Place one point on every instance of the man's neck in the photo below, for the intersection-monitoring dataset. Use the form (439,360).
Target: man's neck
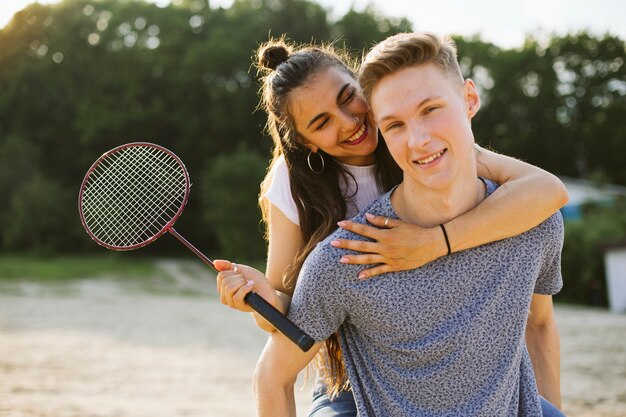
(429,207)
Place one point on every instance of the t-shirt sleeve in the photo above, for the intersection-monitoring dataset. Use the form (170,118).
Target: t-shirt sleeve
(279,191)
(320,301)
(550,280)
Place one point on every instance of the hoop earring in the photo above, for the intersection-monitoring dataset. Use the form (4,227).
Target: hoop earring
(308,160)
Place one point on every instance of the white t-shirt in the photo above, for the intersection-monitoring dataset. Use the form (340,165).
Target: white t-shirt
(279,192)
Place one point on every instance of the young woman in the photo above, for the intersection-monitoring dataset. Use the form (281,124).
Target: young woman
(328,164)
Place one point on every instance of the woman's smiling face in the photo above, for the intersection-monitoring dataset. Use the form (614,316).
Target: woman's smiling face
(331,114)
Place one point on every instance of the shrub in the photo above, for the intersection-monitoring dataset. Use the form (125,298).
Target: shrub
(583,253)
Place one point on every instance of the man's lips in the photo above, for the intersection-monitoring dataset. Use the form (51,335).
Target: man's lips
(431,158)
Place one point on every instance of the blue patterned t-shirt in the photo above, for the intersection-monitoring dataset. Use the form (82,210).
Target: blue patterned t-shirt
(446,339)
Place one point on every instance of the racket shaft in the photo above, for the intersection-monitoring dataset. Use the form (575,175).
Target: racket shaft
(191,247)
(282,323)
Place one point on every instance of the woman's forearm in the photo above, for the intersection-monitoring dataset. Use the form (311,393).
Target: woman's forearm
(282,305)
(527,196)
(274,397)
(516,206)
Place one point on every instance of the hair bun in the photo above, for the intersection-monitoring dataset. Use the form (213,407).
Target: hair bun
(273,55)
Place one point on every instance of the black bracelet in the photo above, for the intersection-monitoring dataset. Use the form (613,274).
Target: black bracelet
(445,235)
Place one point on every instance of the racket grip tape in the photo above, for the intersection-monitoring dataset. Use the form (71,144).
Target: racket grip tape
(282,323)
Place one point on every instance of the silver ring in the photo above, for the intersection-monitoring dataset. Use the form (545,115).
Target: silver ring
(386,221)
(235,268)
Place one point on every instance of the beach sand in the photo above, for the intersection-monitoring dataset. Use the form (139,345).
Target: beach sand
(114,348)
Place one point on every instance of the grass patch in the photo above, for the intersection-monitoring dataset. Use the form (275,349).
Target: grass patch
(63,268)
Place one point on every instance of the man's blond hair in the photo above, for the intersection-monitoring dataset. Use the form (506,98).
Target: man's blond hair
(406,50)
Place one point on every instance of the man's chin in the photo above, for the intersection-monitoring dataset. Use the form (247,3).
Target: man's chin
(439,181)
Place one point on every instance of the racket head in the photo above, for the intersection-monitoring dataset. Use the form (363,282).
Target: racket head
(133,194)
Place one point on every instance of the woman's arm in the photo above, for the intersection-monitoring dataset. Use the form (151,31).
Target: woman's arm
(284,243)
(528,195)
(276,373)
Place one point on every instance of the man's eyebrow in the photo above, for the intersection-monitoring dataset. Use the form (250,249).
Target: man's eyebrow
(420,104)
(339,95)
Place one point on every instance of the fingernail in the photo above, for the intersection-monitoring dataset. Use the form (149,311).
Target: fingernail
(341,224)
(369,215)
(344,260)
(362,275)
(334,243)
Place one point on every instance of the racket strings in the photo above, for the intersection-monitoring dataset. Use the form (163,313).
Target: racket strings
(146,213)
(105,212)
(146,219)
(133,194)
(134,188)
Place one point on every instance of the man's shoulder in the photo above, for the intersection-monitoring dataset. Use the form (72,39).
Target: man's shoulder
(551,229)
(324,258)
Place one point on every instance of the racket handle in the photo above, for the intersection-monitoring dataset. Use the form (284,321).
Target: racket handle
(282,323)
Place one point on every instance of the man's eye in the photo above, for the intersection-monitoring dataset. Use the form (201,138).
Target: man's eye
(392,126)
(430,109)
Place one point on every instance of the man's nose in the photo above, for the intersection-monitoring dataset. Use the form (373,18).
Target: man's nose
(418,135)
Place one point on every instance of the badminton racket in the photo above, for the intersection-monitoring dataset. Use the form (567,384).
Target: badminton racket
(133,194)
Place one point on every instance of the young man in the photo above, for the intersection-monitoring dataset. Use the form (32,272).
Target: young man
(446,339)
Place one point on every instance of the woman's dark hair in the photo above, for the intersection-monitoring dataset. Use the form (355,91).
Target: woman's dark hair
(318,197)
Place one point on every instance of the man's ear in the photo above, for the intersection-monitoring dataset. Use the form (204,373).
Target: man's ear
(472,98)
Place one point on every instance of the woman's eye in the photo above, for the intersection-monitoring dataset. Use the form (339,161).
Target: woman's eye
(349,97)
(430,109)
(322,125)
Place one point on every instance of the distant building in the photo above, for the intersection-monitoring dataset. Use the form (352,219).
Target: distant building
(615,267)
(583,191)
(580,193)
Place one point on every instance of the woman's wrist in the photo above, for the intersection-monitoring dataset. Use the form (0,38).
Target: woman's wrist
(436,244)
(281,304)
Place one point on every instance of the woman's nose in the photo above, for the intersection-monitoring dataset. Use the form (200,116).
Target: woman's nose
(351,121)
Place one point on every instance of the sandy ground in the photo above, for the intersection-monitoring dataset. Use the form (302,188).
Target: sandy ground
(106,347)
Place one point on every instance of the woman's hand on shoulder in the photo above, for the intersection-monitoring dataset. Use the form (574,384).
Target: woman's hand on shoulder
(235,281)
(397,245)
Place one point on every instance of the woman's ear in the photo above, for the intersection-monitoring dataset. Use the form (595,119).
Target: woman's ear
(309,145)
(472,98)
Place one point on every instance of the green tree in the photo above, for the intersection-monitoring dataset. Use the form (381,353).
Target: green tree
(80,77)
(230,188)
(359,31)
(38,220)
(592,101)
(554,103)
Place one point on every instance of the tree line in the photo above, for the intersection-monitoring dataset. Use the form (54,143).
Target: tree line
(80,77)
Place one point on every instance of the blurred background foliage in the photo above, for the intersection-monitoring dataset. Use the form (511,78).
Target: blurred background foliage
(80,77)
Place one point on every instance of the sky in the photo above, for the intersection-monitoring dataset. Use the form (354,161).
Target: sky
(505,23)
